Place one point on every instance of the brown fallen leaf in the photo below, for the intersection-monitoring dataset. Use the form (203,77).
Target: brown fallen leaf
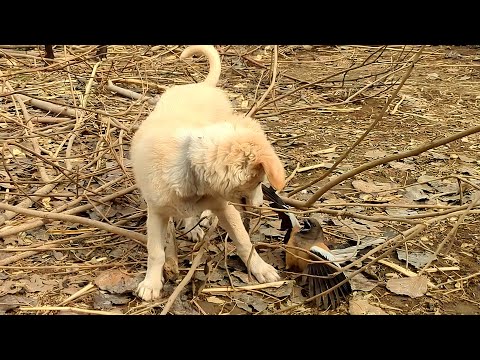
(416,193)
(37,284)
(215,300)
(375,154)
(216,275)
(10,302)
(401,165)
(114,281)
(243,276)
(271,232)
(466,159)
(324,151)
(9,287)
(359,306)
(361,283)
(103,301)
(370,187)
(397,212)
(247,302)
(282,291)
(416,258)
(414,287)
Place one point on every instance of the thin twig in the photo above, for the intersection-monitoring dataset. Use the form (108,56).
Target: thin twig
(254,109)
(195,263)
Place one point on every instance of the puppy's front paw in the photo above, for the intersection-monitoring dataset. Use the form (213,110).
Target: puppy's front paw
(264,272)
(149,290)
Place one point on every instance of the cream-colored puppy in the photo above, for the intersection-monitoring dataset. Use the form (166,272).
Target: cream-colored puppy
(192,154)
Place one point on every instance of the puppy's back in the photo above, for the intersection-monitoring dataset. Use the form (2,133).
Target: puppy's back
(193,103)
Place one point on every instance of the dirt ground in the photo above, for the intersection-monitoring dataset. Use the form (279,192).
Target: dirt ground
(64,267)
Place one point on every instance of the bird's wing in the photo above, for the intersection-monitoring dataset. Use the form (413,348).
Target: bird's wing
(323,280)
(319,251)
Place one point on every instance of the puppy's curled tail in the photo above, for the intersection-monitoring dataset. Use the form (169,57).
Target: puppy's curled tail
(213,58)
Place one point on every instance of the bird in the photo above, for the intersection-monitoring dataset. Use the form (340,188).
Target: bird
(309,236)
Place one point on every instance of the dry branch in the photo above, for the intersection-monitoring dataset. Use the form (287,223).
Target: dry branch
(48,106)
(275,284)
(66,308)
(39,222)
(79,220)
(130,94)
(384,160)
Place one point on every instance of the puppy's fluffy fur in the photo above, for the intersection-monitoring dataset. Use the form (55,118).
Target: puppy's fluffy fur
(192,154)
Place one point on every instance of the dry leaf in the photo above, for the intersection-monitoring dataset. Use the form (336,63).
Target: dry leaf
(361,283)
(412,286)
(243,276)
(398,212)
(466,159)
(416,258)
(215,300)
(9,302)
(106,301)
(247,302)
(37,284)
(216,275)
(38,234)
(401,165)
(9,287)
(370,187)
(358,306)
(282,291)
(416,193)
(272,232)
(46,203)
(114,281)
(324,151)
(375,154)
(439,156)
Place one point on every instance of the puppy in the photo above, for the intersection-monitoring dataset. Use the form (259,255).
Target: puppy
(192,154)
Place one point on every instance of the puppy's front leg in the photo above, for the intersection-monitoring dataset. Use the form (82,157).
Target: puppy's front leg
(229,219)
(157,225)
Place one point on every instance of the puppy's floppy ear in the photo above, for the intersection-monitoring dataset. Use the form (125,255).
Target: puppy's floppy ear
(273,169)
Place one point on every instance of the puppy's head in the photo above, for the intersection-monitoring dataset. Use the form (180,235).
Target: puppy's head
(248,159)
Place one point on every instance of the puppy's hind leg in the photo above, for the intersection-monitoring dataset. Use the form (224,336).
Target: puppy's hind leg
(157,226)
(230,220)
